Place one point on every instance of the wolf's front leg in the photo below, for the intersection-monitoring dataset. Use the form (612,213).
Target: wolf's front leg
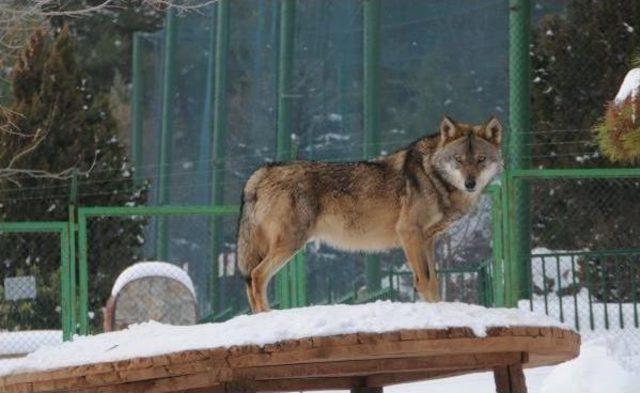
(416,252)
(429,244)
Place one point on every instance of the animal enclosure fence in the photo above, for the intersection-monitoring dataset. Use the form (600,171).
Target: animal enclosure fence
(37,285)
(217,93)
(584,252)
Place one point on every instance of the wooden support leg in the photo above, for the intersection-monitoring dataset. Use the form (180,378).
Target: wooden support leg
(367,390)
(510,379)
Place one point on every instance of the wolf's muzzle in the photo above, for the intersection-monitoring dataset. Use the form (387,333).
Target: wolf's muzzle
(470,184)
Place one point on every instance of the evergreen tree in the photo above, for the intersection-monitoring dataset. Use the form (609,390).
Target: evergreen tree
(66,127)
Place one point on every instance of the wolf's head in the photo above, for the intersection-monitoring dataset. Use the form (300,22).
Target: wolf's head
(468,156)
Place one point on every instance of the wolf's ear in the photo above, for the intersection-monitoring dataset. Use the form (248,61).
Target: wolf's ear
(493,131)
(448,129)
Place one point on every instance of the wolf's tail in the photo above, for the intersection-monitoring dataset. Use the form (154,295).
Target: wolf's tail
(248,253)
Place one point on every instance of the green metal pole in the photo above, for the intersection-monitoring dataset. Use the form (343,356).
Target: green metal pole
(497,246)
(166,136)
(283,125)
(219,138)
(371,111)
(66,279)
(137,96)
(83,272)
(517,191)
(71,225)
(71,245)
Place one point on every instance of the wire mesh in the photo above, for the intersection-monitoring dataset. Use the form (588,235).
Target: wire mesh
(30,292)
(117,243)
(585,253)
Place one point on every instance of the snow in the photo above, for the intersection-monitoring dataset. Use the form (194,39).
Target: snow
(153,338)
(594,371)
(629,87)
(152,269)
(554,267)
(20,343)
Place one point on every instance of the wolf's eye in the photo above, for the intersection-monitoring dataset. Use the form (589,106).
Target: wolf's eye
(458,159)
(481,158)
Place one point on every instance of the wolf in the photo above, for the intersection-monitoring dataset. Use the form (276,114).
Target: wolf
(402,200)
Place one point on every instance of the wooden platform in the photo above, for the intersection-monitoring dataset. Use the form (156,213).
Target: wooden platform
(365,362)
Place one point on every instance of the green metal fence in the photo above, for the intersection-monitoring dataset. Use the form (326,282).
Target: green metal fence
(99,264)
(584,245)
(37,282)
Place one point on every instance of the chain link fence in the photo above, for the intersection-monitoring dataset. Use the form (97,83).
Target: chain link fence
(584,263)
(31,307)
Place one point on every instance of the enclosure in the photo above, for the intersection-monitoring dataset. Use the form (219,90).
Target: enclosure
(218,92)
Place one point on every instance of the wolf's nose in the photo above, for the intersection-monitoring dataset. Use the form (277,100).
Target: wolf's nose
(470,184)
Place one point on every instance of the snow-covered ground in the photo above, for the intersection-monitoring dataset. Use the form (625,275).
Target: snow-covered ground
(152,338)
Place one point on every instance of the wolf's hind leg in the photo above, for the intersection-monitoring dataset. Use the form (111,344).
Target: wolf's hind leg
(262,274)
(415,250)
(250,298)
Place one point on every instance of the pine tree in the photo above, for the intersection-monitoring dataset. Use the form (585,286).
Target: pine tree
(69,128)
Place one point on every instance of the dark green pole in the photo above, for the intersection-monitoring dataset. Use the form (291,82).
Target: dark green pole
(219,138)
(166,136)
(285,78)
(284,279)
(137,97)
(517,153)
(371,110)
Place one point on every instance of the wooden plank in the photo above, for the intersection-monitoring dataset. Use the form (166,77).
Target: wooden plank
(378,366)
(406,348)
(296,384)
(413,376)
(285,346)
(381,358)
(161,385)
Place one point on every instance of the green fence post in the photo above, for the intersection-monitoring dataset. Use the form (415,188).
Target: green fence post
(166,136)
(66,280)
(83,275)
(283,136)
(71,227)
(219,137)
(497,268)
(371,111)
(137,95)
(71,246)
(517,191)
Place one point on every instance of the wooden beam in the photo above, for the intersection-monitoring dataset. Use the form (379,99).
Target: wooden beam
(378,366)
(510,379)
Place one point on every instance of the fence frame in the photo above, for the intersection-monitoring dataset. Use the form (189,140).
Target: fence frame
(67,265)
(85,213)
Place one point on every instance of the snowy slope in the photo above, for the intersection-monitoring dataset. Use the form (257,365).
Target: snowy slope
(152,269)
(153,338)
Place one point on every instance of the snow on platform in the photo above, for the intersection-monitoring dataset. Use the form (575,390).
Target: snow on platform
(152,338)
(152,269)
